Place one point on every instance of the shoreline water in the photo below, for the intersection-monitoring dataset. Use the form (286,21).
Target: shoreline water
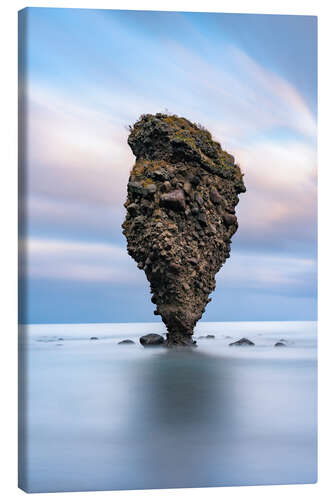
(105,416)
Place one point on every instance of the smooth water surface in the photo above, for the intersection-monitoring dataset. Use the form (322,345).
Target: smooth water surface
(103,416)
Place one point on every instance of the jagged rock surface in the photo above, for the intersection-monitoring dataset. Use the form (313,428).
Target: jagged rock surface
(182,194)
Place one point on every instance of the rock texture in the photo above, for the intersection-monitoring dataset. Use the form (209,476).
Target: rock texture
(182,194)
(151,340)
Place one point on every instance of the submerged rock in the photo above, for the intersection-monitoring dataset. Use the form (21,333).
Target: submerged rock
(243,341)
(182,194)
(126,341)
(280,344)
(151,339)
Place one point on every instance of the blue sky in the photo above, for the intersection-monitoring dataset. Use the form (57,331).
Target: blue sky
(250,79)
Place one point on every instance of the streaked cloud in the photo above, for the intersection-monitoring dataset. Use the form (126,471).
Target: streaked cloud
(78,160)
(279,100)
(76,219)
(68,261)
(269,273)
(239,98)
(79,261)
(75,153)
(280,203)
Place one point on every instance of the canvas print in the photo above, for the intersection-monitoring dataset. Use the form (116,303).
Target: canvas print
(167,249)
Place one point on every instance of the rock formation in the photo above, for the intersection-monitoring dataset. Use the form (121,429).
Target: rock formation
(151,340)
(243,341)
(182,194)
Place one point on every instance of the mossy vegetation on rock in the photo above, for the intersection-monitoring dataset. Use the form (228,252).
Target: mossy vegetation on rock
(175,139)
(182,194)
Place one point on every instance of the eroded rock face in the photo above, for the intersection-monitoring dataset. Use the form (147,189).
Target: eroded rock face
(182,194)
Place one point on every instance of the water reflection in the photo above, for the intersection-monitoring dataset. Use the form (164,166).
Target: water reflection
(182,419)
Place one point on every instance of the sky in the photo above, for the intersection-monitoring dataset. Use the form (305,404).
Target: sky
(85,75)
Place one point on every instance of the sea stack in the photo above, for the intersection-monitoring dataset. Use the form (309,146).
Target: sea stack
(182,194)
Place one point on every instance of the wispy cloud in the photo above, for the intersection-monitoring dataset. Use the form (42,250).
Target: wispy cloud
(269,273)
(280,204)
(76,219)
(80,153)
(239,98)
(79,261)
(69,261)
(275,97)
(75,152)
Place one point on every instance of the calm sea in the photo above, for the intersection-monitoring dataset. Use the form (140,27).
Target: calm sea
(101,416)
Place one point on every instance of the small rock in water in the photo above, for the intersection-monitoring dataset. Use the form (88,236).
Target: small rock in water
(126,341)
(60,338)
(280,344)
(151,340)
(93,338)
(207,337)
(242,341)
